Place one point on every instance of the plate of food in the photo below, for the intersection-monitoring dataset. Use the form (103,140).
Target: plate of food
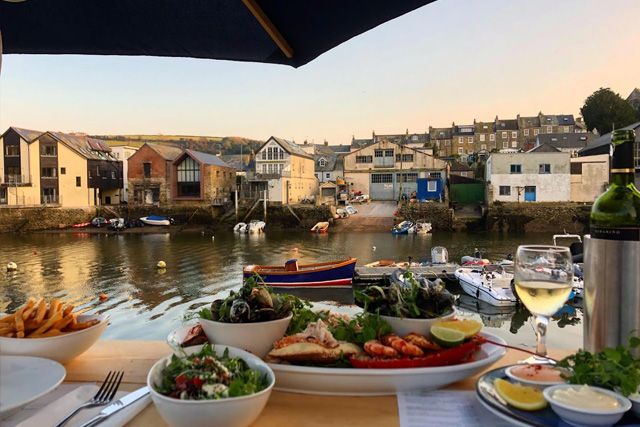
(51,330)
(25,379)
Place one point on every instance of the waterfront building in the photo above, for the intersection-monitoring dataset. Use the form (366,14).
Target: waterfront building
(507,134)
(463,138)
(529,128)
(566,123)
(14,164)
(484,137)
(385,168)
(123,152)
(528,177)
(567,142)
(285,170)
(149,173)
(441,138)
(589,177)
(328,164)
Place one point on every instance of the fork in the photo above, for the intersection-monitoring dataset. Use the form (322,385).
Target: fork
(102,397)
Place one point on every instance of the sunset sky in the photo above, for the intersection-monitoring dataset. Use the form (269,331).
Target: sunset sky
(453,60)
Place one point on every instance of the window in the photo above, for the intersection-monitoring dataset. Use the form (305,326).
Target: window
(404,158)
(322,162)
(388,153)
(492,137)
(364,159)
(328,175)
(514,134)
(12,150)
(481,138)
(379,153)
(460,139)
(117,155)
(432,186)
(526,132)
(470,139)
(381,178)
(483,147)
(435,175)
(146,169)
(49,173)
(63,171)
(113,174)
(78,181)
(407,177)
(544,168)
(505,190)
(447,142)
(514,144)
(14,172)
(549,129)
(217,174)
(414,138)
(504,135)
(505,144)
(566,129)
(536,131)
(463,174)
(516,168)
(48,150)
(189,178)
(460,150)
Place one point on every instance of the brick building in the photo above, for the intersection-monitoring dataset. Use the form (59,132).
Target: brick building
(484,137)
(462,138)
(441,138)
(529,130)
(506,133)
(149,172)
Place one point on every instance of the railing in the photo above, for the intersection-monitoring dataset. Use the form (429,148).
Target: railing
(16,179)
(50,200)
(258,176)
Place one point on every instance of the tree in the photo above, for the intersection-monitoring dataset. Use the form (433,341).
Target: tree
(606,110)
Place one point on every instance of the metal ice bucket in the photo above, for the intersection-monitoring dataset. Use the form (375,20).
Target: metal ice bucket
(611,292)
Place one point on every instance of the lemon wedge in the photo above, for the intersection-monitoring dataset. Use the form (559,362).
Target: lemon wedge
(519,396)
(468,327)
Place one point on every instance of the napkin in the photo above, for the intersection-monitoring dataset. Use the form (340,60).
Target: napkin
(58,409)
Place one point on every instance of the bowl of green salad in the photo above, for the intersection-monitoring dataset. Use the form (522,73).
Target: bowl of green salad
(211,385)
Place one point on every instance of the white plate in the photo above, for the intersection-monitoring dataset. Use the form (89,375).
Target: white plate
(24,379)
(178,335)
(380,382)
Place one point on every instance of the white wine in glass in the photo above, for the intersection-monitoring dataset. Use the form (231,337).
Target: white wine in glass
(543,280)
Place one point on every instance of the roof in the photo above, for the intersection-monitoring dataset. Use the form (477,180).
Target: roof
(340,148)
(288,146)
(602,145)
(543,148)
(26,134)
(165,151)
(459,167)
(331,161)
(440,133)
(206,158)
(565,120)
(566,140)
(508,124)
(548,120)
(480,127)
(463,130)
(357,144)
(89,148)
(529,122)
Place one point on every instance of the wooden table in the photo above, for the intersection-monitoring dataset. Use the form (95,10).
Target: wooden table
(135,358)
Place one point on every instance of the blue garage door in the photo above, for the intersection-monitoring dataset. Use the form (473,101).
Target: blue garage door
(530,193)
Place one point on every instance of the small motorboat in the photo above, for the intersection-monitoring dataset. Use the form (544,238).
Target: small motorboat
(333,274)
(351,210)
(488,283)
(81,225)
(156,220)
(402,228)
(470,260)
(256,226)
(240,227)
(421,227)
(99,222)
(341,213)
(116,224)
(320,227)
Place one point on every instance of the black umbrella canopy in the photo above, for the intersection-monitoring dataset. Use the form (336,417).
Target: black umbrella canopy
(291,32)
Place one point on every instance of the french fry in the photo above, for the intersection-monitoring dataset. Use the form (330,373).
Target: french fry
(53,308)
(67,310)
(30,310)
(20,334)
(42,310)
(8,335)
(8,319)
(47,324)
(49,333)
(19,320)
(62,323)
(10,327)
(83,325)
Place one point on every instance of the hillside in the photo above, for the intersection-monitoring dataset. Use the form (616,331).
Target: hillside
(206,144)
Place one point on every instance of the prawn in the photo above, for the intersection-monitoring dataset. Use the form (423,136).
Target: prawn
(421,341)
(376,348)
(401,345)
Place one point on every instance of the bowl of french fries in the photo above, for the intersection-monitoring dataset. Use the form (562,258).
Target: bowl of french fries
(49,330)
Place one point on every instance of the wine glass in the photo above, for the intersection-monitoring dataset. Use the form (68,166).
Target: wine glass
(543,280)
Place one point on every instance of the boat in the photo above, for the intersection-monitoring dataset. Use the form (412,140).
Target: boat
(351,210)
(470,260)
(333,274)
(391,263)
(320,227)
(117,224)
(488,283)
(99,222)
(402,228)
(240,227)
(421,227)
(156,220)
(81,225)
(341,213)
(256,226)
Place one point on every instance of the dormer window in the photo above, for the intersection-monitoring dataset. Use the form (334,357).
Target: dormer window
(322,162)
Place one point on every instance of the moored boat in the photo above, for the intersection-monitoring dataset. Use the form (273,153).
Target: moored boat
(488,283)
(333,274)
(320,227)
(156,220)
(256,226)
(421,226)
(402,228)
(240,227)
(81,225)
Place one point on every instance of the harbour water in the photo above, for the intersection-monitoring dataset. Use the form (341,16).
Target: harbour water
(146,304)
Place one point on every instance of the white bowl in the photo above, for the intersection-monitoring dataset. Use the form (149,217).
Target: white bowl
(635,404)
(586,417)
(402,326)
(61,348)
(257,337)
(540,385)
(229,412)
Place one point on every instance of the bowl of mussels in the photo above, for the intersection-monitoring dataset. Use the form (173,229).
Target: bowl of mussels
(251,319)
(409,303)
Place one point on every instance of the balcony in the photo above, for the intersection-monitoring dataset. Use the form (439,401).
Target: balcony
(15,180)
(253,176)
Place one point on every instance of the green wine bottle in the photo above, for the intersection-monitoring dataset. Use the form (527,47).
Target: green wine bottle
(615,215)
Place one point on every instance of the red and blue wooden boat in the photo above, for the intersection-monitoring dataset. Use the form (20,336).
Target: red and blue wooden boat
(333,274)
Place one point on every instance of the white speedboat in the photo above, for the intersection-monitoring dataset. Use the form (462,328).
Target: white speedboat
(256,227)
(488,283)
(421,227)
(156,220)
(240,227)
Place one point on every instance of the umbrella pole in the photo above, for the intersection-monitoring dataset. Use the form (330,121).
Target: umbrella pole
(268,26)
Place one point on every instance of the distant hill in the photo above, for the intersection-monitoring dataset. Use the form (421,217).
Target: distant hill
(205,144)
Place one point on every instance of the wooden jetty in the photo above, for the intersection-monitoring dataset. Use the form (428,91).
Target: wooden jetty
(379,274)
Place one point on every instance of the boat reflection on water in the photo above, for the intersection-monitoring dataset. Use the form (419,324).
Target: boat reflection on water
(340,296)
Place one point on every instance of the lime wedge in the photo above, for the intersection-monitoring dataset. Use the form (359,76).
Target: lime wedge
(447,337)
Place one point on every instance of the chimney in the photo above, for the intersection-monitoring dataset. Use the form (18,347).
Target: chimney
(518,117)
(474,121)
(496,117)
(306,142)
(373,135)
(353,138)
(326,143)
(430,129)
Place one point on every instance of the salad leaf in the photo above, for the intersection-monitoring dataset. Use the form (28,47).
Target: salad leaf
(360,329)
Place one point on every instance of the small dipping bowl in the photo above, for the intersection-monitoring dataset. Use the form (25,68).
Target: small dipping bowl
(583,416)
(635,403)
(402,326)
(536,376)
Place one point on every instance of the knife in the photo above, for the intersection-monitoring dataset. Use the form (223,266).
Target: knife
(127,400)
